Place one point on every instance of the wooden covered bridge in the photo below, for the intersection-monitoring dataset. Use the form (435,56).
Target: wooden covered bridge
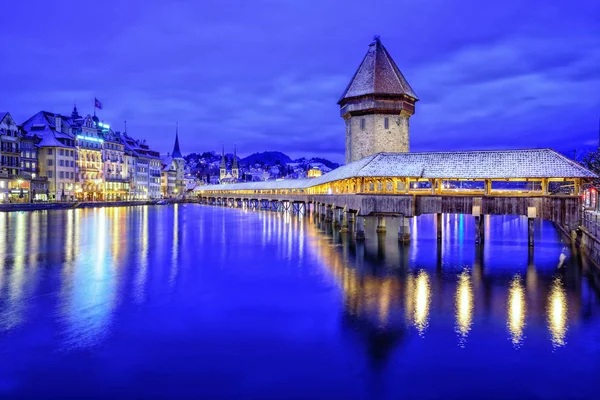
(537,183)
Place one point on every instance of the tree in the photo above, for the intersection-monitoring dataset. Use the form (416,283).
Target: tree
(592,162)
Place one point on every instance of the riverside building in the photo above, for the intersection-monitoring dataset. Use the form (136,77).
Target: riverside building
(68,158)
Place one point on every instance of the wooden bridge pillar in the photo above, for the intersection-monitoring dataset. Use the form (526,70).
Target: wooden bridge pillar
(328,214)
(439,226)
(530,230)
(404,230)
(360,227)
(344,227)
(381,224)
(531,215)
(479,229)
(351,221)
(336,216)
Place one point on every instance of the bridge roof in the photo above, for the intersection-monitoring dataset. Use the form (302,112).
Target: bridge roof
(486,164)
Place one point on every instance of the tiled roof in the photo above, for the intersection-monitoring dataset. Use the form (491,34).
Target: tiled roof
(487,164)
(48,138)
(378,74)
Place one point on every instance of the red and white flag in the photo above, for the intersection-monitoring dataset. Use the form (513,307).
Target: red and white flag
(97,104)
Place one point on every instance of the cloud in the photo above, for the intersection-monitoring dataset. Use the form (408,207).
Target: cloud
(268,74)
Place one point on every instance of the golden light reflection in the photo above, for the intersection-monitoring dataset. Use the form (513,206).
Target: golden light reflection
(557,313)
(384,301)
(516,310)
(464,306)
(422,301)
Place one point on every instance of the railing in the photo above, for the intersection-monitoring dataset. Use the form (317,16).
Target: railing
(590,220)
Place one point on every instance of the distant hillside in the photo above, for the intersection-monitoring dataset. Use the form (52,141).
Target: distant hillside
(330,164)
(267,157)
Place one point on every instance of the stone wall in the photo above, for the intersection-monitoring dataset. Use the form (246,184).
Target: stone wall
(375,137)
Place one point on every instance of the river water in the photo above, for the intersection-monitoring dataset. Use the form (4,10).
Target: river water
(191,301)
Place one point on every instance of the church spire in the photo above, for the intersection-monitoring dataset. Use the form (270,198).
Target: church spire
(235,162)
(176,151)
(223,161)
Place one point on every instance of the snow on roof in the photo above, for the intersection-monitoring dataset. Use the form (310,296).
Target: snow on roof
(486,164)
(49,139)
(378,74)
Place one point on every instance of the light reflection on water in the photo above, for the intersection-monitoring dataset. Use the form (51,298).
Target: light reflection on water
(557,313)
(516,310)
(92,280)
(464,306)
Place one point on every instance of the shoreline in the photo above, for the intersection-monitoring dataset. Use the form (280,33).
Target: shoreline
(85,204)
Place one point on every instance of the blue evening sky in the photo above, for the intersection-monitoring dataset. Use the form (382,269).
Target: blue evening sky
(266,75)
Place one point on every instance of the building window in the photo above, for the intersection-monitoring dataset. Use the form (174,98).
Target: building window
(61,152)
(61,175)
(49,163)
(49,174)
(49,152)
(386,123)
(362,124)
(61,163)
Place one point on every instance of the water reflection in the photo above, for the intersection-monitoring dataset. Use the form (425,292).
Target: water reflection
(421,301)
(516,310)
(464,306)
(380,281)
(557,313)
(81,278)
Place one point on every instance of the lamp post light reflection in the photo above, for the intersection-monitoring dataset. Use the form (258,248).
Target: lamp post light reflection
(464,307)
(422,300)
(557,313)
(516,311)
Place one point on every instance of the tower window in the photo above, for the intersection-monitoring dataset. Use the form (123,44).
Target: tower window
(362,124)
(386,123)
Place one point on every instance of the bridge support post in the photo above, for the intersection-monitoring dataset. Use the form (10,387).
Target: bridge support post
(530,230)
(328,214)
(531,216)
(380,224)
(351,221)
(360,227)
(479,230)
(344,228)
(404,230)
(439,226)
(336,216)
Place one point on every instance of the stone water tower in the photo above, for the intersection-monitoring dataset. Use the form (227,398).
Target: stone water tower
(376,106)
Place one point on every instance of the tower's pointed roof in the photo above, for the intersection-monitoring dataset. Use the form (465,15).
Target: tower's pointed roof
(223,162)
(235,162)
(378,74)
(176,152)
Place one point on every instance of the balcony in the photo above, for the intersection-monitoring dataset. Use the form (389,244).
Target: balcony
(117,179)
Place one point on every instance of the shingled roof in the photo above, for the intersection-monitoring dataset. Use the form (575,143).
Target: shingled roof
(485,164)
(378,74)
